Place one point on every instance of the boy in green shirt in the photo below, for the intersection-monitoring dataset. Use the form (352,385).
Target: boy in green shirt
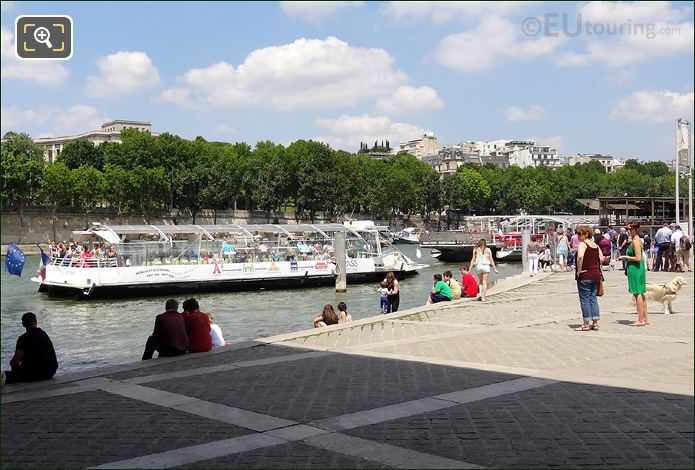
(441,292)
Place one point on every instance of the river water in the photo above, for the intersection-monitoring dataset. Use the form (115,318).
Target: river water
(97,333)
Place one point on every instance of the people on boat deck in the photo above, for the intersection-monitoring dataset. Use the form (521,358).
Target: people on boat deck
(441,292)
(169,337)
(34,357)
(469,286)
(215,333)
(344,316)
(327,317)
(197,327)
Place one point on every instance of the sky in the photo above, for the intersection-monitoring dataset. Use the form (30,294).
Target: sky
(586,77)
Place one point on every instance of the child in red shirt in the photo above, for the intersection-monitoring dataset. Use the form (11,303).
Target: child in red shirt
(469,286)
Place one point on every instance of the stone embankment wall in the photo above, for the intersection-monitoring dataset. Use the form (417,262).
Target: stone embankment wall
(35,226)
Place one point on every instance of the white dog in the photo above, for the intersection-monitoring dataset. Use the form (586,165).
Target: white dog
(664,293)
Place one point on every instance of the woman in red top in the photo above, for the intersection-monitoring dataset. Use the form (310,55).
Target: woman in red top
(588,276)
(197,327)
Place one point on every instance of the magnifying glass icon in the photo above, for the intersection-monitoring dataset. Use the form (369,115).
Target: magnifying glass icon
(43,36)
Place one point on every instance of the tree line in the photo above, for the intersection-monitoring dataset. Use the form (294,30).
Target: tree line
(145,174)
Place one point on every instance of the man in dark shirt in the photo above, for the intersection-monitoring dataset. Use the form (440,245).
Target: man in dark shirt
(34,357)
(169,337)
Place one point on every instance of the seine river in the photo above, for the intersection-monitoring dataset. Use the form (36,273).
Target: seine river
(96,333)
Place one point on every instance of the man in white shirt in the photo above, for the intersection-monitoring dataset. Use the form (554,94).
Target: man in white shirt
(682,256)
(663,241)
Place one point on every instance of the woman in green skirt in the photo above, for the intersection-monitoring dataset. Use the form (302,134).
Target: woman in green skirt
(637,275)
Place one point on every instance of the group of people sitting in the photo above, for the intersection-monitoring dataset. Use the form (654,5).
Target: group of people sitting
(329,317)
(176,333)
(446,288)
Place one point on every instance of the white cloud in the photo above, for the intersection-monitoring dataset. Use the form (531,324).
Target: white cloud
(177,96)
(315,12)
(307,73)
(635,12)
(123,73)
(441,12)
(654,106)
(533,113)
(51,122)
(493,41)
(222,129)
(45,73)
(621,77)
(409,99)
(555,141)
(346,132)
(623,33)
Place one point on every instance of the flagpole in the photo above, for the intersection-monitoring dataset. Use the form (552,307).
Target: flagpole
(678,174)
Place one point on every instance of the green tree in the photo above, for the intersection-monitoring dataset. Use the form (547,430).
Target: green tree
(118,190)
(89,188)
(56,189)
(81,152)
(20,144)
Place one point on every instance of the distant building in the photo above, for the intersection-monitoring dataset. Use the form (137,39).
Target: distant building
(609,162)
(377,151)
(524,153)
(109,132)
(424,146)
(451,157)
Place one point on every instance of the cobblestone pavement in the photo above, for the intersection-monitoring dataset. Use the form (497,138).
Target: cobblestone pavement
(507,383)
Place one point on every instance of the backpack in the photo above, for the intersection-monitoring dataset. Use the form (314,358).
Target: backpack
(685,243)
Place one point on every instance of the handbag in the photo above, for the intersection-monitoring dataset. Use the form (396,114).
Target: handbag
(601,290)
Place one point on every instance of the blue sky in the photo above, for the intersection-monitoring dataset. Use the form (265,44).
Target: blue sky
(343,72)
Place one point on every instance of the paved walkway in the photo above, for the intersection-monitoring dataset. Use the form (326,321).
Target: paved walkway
(462,385)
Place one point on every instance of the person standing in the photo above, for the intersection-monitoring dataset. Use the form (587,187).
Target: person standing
(533,251)
(34,357)
(680,241)
(394,292)
(647,246)
(637,275)
(197,327)
(663,242)
(623,243)
(574,243)
(483,261)
(588,277)
(169,337)
(562,250)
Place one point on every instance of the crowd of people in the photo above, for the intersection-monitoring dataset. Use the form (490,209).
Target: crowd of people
(668,249)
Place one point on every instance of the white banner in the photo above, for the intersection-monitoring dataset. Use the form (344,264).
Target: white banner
(683,144)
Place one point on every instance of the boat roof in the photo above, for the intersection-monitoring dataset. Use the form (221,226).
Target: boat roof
(113,233)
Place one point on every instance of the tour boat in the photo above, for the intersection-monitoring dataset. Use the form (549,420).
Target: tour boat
(159,259)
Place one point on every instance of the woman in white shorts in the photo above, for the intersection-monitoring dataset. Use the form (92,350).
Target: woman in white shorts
(482,261)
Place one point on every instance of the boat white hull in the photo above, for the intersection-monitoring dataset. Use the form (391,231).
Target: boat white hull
(94,282)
